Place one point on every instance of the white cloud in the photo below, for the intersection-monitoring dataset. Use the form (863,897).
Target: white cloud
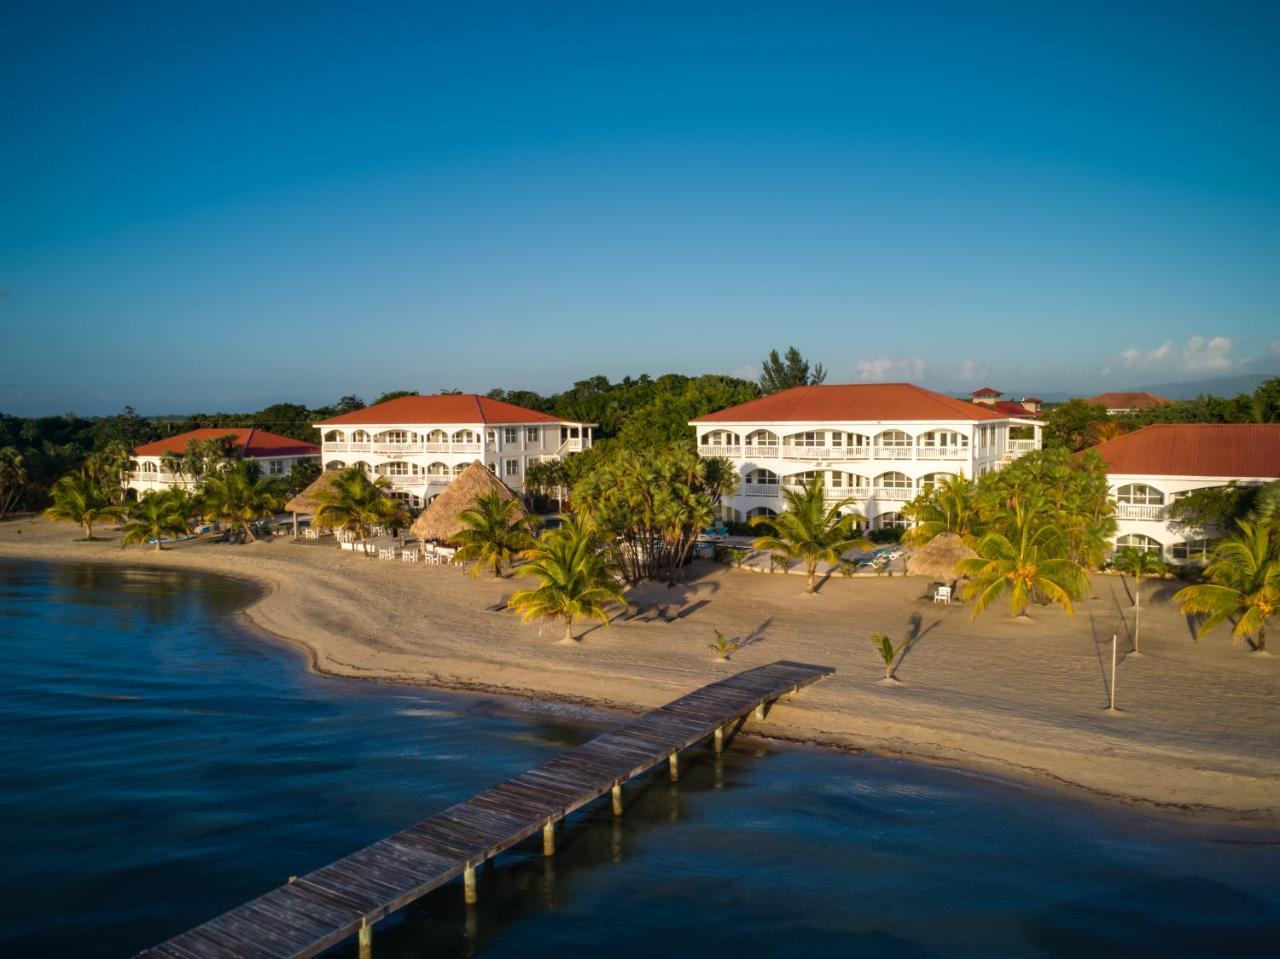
(748,372)
(971,371)
(886,368)
(1197,355)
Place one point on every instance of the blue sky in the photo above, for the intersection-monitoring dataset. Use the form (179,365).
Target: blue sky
(225,205)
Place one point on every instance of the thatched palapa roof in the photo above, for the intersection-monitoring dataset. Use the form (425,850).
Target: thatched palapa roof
(306,502)
(440,521)
(939,557)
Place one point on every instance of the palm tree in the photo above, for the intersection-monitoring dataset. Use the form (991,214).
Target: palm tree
(496,530)
(950,507)
(354,503)
(238,495)
(152,517)
(811,530)
(1244,585)
(78,499)
(1266,506)
(184,505)
(1031,561)
(1138,563)
(574,581)
(13,479)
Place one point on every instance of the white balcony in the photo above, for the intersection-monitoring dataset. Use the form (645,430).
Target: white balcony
(397,447)
(711,450)
(759,489)
(452,447)
(893,452)
(942,452)
(406,481)
(1152,511)
(1022,446)
(330,447)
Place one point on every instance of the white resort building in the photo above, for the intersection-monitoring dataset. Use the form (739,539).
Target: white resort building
(276,454)
(879,444)
(421,442)
(1151,468)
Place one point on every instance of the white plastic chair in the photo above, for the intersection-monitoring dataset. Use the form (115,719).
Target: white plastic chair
(942,594)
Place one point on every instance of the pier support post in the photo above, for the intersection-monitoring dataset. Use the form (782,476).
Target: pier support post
(365,939)
(673,766)
(617,799)
(719,739)
(469,885)
(549,839)
(762,710)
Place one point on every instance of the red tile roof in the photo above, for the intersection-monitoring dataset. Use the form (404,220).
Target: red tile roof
(252,442)
(446,408)
(986,391)
(1012,408)
(1128,401)
(853,403)
(1196,449)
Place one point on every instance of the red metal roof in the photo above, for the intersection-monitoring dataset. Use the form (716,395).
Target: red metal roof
(1012,408)
(446,408)
(853,403)
(986,391)
(253,443)
(1196,449)
(1128,401)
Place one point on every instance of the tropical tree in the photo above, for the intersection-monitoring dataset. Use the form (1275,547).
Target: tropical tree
(184,505)
(1266,507)
(495,530)
(1028,561)
(13,479)
(152,518)
(949,507)
(239,495)
(811,530)
(1244,585)
(355,503)
(890,655)
(1138,563)
(783,372)
(574,580)
(105,469)
(77,499)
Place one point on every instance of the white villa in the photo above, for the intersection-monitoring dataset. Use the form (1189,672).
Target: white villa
(1151,468)
(879,444)
(421,442)
(276,454)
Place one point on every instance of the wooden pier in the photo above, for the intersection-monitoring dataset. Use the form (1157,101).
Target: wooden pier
(314,912)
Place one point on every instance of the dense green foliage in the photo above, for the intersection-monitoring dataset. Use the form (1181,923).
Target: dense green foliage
(574,582)
(354,503)
(151,519)
(495,530)
(783,372)
(1243,585)
(77,499)
(239,495)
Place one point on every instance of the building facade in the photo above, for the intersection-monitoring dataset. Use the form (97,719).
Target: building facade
(1116,403)
(276,455)
(877,444)
(419,443)
(1152,468)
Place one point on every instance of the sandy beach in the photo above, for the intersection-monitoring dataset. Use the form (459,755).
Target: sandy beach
(1195,737)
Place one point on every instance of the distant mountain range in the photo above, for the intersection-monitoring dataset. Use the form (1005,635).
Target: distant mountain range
(1229,386)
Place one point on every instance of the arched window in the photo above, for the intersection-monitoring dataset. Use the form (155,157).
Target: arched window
(334,465)
(393,436)
(438,469)
(360,436)
(894,438)
(1139,494)
(761,438)
(894,481)
(150,467)
(466,436)
(1138,541)
(398,468)
(891,520)
(459,467)
(943,438)
(762,477)
(333,436)
(761,511)
(721,438)
(437,436)
(1192,551)
(930,480)
(729,514)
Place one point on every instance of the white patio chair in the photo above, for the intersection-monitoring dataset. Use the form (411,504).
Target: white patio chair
(942,594)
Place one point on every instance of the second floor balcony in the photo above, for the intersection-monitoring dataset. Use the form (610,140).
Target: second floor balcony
(1147,511)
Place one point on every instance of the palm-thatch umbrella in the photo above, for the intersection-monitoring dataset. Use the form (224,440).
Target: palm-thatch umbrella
(440,521)
(306,502)
(939,557)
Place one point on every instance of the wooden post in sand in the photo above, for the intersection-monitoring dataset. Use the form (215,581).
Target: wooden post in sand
(617,799)
(469,885)
(365,938)
(1112,707)
(719,737)
(549,838)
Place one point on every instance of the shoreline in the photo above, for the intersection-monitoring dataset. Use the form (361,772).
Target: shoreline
(310,598)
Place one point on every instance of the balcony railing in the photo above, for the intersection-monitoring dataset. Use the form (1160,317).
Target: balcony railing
(860,492)
(397,447)
(1154,511)
(759,489)
(156,477)
(452,447)
(1022,446)
(841,454)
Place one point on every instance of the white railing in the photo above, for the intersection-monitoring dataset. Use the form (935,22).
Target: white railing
(764,451)
(406,482)
(1141,511)
(759,489)
(1022,446)
(833,492)
(714,450)
(451,447)
(893,452)
(941,452)
(397,447)
(572,445)
(811,452)
(330,447)
(360,447)
(893,492)
(157,477)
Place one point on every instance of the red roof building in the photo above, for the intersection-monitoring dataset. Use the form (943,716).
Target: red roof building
(252,443)
(1222,450)
(1127,402)
(861,402)
(451,409)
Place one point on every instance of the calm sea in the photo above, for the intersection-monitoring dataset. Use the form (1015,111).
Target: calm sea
(158,765)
